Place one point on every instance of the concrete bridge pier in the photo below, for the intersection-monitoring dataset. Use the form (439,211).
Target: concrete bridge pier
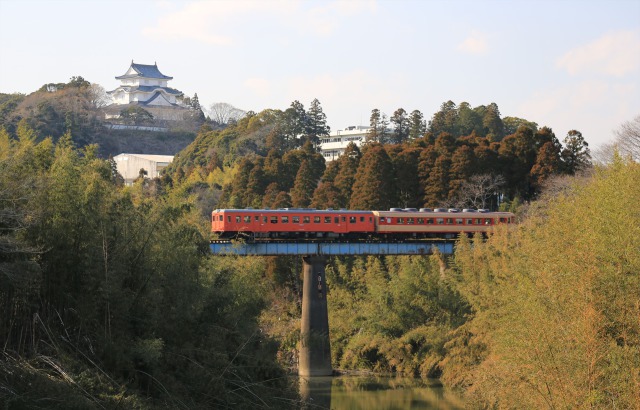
(315,348)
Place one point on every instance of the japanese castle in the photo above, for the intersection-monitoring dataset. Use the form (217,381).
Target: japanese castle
(145,86)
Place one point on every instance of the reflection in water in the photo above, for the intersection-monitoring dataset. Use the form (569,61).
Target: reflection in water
(374,392)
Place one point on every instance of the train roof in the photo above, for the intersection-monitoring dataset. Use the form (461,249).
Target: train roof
(451,213)
(300,210)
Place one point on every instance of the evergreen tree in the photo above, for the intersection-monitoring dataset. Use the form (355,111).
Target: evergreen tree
(576,154)
(196,113)
(548,163)
(518,154)
(405,166)
(373,187)
(445,120)
(492,123)
(400,126)
(417,125)
(462,166)
(437,186)
(373,135)
(468,120)
(348,164)
(316,126)
(293,125)
(304,186)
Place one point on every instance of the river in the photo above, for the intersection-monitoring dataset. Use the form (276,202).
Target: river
(377,392)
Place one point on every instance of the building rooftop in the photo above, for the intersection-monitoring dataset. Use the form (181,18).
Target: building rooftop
(144,70)
(148,157)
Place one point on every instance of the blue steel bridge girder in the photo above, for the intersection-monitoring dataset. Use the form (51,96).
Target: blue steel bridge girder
(331,248)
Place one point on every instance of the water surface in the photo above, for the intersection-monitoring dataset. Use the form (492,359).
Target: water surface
(377,392)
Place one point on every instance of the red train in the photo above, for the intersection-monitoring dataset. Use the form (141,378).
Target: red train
(312,224)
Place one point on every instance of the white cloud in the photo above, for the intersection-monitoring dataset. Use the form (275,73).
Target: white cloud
(218,22)
(209,22)
(475,43)
(616,54)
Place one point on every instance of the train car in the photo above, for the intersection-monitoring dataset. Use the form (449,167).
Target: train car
(436,223)
(291,223)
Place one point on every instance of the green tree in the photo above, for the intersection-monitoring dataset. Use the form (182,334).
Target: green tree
(136,115)
(344,180)
(316,125)
(511,124)
(305,184)
(417,125)
(445,120)
(468,120)
(373,187)
(493,123)
(575,154)
(379,127)
(400,124)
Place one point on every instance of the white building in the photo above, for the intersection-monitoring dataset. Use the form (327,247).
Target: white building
(145,86)
(129,165)
(334,145)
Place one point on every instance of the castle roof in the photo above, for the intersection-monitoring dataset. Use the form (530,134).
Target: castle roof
(143,70)
(147,89)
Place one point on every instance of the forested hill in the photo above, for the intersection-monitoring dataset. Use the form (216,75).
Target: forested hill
(76,107)
(462,157)
(111,298)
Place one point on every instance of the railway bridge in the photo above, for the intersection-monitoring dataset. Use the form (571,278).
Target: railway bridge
(315,348)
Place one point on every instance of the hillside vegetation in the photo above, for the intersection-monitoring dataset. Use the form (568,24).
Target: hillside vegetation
(76,107)
(111,297)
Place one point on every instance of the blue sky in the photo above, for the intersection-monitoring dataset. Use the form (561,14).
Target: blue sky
(563,64)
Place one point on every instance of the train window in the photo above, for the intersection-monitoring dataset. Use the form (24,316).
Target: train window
(306,219)
(400,221)
(316,219)
(487,221)
(343,218)
(336,220)
(264,219)
(295,219)
(285,220)
(459,221)
(247,219)
(381,219)
(327,219)
(228,219)
(449,221)
(503,220)
(362,219)
(469,221)
(410,221)
(388,220)
(220,218)
(352,219)
(430,221)
(420,221)
(478,221)
(256,218)
(274,219)
(440,221)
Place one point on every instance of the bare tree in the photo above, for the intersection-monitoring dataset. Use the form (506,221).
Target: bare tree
(224,113)
(626,143)
(98,97)
(478,189)
(628,138)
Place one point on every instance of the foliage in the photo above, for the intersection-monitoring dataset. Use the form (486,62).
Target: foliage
(136,115)
(110,297)
(555,325)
